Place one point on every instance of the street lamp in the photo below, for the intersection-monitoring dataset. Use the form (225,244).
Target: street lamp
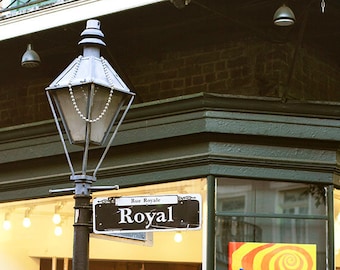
(91,101)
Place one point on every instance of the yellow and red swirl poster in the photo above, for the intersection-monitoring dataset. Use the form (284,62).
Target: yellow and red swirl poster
(271,256)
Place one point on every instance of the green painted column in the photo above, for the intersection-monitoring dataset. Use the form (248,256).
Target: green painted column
(330,224)
(211,222)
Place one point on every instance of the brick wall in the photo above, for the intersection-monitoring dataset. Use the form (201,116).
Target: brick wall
(316,77)
(241,67)
(23,102)
(245,67)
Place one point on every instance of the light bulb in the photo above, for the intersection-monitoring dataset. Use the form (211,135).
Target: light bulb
(338,218)
(178,237)
(56,218)
(58,231)
(7,225)
(26,222)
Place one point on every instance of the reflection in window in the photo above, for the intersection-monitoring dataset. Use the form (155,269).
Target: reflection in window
(294,202)
(234,229)
(268,212)
(235,204)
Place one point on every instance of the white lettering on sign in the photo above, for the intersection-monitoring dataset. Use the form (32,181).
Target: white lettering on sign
(146,200)
(126,216)
(147,213)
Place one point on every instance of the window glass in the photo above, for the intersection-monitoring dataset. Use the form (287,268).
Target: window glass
(280,214)
(248,196)
(40,240)
(337,227)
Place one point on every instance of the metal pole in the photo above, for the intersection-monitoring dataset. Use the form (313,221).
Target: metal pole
(82,208)
(81,227)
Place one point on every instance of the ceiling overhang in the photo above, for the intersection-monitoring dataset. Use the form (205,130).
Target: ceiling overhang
(64,14)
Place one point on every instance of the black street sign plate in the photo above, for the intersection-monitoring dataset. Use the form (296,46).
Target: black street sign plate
(147,213)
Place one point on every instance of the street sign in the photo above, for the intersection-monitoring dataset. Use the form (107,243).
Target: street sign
(136,238)
(147,213)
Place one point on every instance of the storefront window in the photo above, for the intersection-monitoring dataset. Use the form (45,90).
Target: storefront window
(39,247)
(255,217)
(337,227)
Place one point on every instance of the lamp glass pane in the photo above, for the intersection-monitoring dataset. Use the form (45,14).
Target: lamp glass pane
(91,105)
(101,128)
(74,125)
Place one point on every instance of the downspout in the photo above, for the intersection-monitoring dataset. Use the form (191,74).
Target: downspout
(295,54)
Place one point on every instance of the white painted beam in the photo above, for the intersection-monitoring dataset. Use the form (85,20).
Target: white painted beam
(64,14)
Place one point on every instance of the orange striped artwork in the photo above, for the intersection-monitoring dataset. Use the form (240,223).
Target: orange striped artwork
(271,256)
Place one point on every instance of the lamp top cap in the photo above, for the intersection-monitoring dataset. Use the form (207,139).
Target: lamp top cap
(92,34)
(93,24)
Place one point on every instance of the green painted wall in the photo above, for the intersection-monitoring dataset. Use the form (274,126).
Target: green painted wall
(184,138)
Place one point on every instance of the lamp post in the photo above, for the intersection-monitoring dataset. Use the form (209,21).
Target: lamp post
(91,101)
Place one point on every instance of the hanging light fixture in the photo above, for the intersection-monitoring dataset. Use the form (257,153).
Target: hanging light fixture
(30,59)
(7,223)
(27,221)
(284,16)
(56,217)
(180,3)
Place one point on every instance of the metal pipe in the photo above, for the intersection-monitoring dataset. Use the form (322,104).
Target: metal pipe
(296,52)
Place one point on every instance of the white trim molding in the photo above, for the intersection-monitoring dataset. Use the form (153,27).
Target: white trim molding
(64,14)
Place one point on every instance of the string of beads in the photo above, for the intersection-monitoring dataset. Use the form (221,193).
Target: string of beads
(73,99)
